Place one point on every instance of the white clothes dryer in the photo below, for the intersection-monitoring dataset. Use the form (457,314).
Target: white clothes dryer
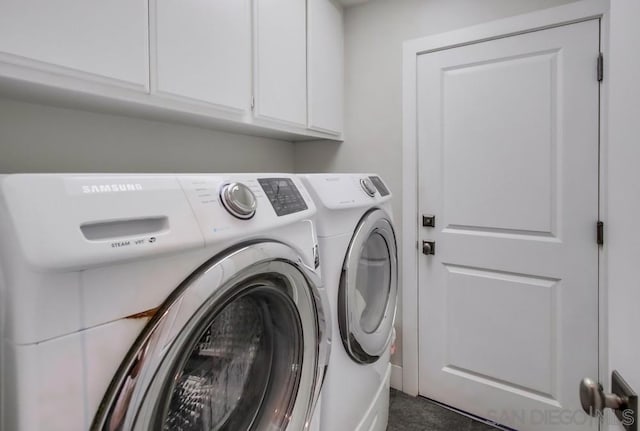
(359,269)
(160,302)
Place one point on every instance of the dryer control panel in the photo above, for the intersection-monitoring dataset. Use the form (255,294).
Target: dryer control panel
(343,191)
(379,185)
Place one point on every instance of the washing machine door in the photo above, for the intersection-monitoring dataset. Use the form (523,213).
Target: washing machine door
(241,345)
(368,288)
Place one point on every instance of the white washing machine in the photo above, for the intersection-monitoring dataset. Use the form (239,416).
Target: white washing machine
(359,269)
(160,302)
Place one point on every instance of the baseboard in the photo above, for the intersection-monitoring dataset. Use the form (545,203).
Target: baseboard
(396,377)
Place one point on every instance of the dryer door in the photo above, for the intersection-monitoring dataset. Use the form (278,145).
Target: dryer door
(368,288)
(241,345)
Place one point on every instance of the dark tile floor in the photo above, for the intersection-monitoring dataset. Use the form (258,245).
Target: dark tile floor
(408,413)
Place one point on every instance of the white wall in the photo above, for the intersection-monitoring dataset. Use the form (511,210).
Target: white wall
(374,33)
(38,138)
(622,240)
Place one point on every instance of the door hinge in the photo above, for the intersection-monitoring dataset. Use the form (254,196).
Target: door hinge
(253,103)
(600,232)
(600,67)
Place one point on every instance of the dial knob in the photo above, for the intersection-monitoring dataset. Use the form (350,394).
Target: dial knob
(368,186)
(239,200)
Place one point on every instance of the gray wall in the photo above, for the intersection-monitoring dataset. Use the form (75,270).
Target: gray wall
(38,138)
(374,33)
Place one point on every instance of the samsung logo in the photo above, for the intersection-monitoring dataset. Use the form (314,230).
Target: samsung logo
(110,188)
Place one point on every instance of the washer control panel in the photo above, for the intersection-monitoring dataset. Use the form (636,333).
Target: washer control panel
(283,195)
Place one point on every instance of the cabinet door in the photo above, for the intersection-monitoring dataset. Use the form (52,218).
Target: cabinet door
(202,51)
(326,65)
(104,38)
(281,61)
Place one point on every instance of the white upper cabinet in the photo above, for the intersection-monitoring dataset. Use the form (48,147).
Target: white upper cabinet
(281,61)
(83,38)
(263,67)
(201,50)
(325,65)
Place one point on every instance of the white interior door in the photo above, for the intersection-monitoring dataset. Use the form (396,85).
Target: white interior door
(508,156)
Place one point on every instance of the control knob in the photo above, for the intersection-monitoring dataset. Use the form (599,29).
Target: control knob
(368,186)
(239,200)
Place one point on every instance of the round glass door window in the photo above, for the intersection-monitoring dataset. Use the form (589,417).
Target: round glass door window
(373,283)
(242,345)
(241,372)
(368,289)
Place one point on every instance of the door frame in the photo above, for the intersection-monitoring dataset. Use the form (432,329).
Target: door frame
(548,18)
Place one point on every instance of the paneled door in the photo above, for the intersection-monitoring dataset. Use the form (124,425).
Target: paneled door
(508,165)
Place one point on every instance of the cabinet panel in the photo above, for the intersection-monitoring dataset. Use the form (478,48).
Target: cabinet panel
(281,63)
(104,38)
(326,65)
(203,50)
